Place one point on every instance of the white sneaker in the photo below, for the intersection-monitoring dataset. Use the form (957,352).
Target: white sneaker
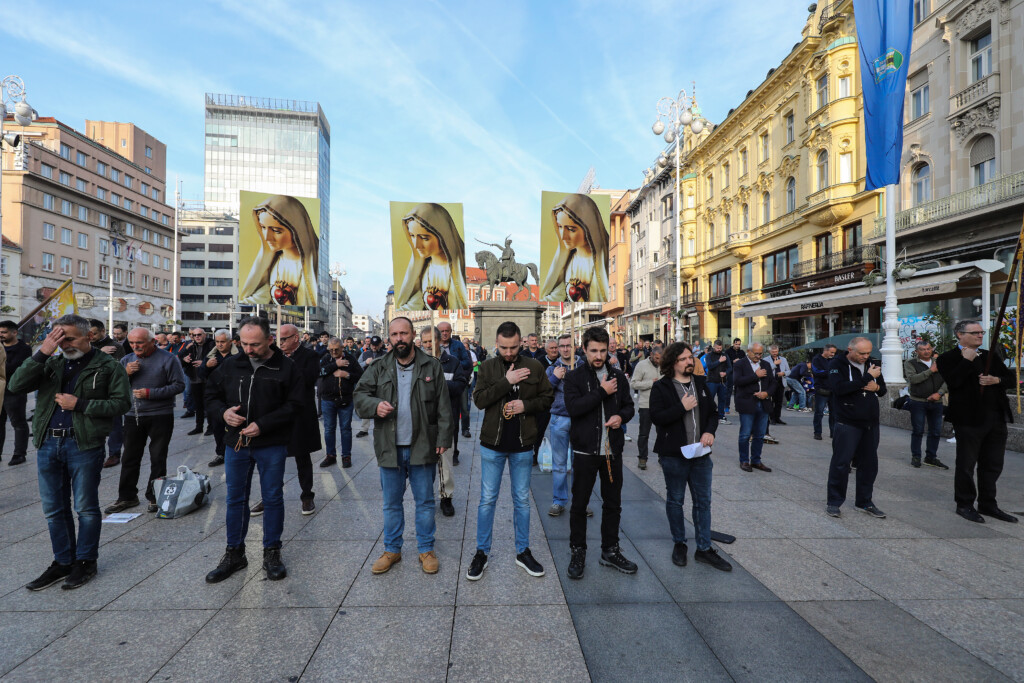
(951,439)
(628,437)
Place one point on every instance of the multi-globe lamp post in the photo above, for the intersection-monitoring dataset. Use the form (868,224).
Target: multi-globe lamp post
(12,100)
(337,272)
(675,117)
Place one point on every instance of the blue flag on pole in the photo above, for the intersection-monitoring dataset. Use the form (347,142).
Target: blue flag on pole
(884,29)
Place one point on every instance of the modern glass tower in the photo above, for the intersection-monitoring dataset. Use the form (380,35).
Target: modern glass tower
(264,144)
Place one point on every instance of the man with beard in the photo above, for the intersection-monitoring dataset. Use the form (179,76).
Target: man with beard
(512,390)
(79,392)
(457,378)
(597,397)
(17,352)
(405,394)
(259,395)
(223,350)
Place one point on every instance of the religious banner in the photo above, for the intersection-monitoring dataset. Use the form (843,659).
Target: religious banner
(278,249)
(574,247)
(58,302)
(428,255)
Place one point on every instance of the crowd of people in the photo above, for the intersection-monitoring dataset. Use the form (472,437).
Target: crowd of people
(103,399)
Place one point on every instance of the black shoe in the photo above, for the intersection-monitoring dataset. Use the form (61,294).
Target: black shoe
(712,558)
(613,558)
(526,561)
(936,463)
(360,435)
(447,509)
(760,466)
(346,461)
(329,461)
(590,512)
(577,562)
(970,514)
(256,510)
(455,458)
(188,415)
(308,507)
(642,463)
(216,462)
(817,437)
(113,460)
(477,566)
(197,430)
(17,460)
(745,466)
(915,461)
(54,573)
(273,565)
(82,572)
(871,510)
(679,554)
(998,514)
(467,434)
(208,432)
(152,507)
(121,506)
(233,560)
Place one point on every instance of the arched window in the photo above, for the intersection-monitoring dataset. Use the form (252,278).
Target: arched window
(728,226)
(822,164)
(791,195)
(746,217)
(922,183)
(711,234)
(983,160)
(766,208)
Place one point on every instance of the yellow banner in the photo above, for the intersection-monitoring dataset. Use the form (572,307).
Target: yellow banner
(574,247)
(428,252)
(60,302)
(278,249)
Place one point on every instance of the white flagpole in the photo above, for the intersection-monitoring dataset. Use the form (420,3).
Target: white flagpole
(892,350)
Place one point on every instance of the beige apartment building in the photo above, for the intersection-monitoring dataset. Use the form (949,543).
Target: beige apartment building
(90,207)
(618,266)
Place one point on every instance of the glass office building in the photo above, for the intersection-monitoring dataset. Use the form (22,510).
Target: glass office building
(264,144)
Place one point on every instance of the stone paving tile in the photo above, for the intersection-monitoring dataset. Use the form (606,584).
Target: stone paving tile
(537,643)
(25,633)
(1011,605)
(939,519)
(250,645)
(620,644)
(1007,550)
(982,627)
(864,526)
(606,585)
(699,582)
(21,523)
(121,646)
(384,643)
(987,578)
(768,641)
(506,583)
(23,562)
(405,583)
(344,520)
(793,521)
(878,636)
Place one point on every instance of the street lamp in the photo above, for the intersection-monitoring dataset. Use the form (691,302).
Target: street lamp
(337,272)
(12,99)
(680,114)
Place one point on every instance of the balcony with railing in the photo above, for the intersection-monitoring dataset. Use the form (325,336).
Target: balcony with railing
(829,14)
(867,253)
(1005,190)
(690,298)
(974,93)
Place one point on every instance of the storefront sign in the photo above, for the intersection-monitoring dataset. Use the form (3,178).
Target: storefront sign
(811,305)
(840,277)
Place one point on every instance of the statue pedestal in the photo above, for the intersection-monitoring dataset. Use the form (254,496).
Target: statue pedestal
(488,315)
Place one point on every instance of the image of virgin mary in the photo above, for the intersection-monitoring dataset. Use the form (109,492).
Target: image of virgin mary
(435,275)
(285,268)
(579,270)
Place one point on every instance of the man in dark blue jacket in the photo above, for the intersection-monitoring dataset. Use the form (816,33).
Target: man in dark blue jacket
(755,383)
(819,370)
(856,383)
(719,374)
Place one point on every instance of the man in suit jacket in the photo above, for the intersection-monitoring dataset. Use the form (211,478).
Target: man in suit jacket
(979,411)
(755,383)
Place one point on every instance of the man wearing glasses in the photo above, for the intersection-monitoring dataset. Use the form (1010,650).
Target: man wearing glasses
(558,426)
(193,355)
(979,411)
(755,383)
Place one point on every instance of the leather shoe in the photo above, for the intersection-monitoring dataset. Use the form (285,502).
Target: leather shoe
(197,430)
(329,461)
(760,466)
(745,466)
(111,461)
(121,505)
(817,437)
(679,554)
(385,562)
(997,513)
(447,509)
(970,514)
(466,434)
(428,562)
(346,461)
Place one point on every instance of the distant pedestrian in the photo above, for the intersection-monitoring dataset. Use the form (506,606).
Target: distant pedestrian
(926,388)
(100,341)
(374,350)
(780,370)
(719,374)
(755,384)
(14,404)
(192,356)
(795,381)
(822,391)
(559,424)
(222,351)
(339,374)
(645,374)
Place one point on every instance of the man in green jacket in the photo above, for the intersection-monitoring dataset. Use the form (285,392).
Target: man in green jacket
(926,388)
(406,395)
(80,393)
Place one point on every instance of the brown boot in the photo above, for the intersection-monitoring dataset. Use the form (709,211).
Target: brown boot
(428,561)
(385,561)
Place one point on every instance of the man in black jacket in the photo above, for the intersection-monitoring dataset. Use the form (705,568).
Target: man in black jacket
(822,393)
(14,404)
(457,378)
(856,383)
(222,350)
(755,383)
(339,374)
(684,413)
(598,400)
(192,356)
(979,411)
(259,395)
(100,341)
(719,369)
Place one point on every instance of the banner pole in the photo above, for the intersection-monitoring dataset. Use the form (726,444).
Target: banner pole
(43,305)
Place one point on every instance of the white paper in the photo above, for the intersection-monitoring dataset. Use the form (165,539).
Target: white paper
(695,450)
(121,517)
(449,376)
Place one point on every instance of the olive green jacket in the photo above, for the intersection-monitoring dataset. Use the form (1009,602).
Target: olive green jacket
(432,421)
(101,387)
(492,388)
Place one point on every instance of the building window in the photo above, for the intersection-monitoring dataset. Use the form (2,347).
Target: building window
(124,142)
(104,273)
(765,150)
(166,221)
(118,276)
(852,237)
(127,181)
(65,265)
(746,217)
(127,203)
(823,245)
(167,264)
(65,178)
(101,193)
(48,261)
(922,182)
(776,267)
(81,185)
(49,232)
(844,86)
(101,168)
(129,229)
(821,86)
(145,281)
(791,195)
(144,257)
(46,171)
(221,265)
(149,152)
(193,282)
(691,201)
(746,276)
(83,241)
(846,167)
(83,269)
(766,208)
(167,286)
(155,194)
(104,219)
(83,213)
(743,162)
(131,278)
(104,246)
(711,185)
(919,104)
(156,238)
(790,128)
(144,210)
(144,188)
(728,225)
(81,159)
(725,175)
(65,152)
(115,175)
(48,202)
(223,230)
(921,10)
(983,160)
(65,236)
(691,247)
(822,166)
(981,56)
(145,234)
(230,248)
(720,284)
(190,264)
(711,234)
(226,282)
(115,199)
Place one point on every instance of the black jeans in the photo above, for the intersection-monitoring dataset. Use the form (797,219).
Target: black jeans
(219,428)
(304,466)
(980,447)
(778,398)
(14,408)
(853,445)
(199,401)
(542,426)
(586,469)
(157,429)
(645,433)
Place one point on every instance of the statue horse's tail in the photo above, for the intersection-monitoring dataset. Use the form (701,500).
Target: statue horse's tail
(535,273)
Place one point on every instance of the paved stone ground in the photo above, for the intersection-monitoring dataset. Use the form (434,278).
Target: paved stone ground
(920,596)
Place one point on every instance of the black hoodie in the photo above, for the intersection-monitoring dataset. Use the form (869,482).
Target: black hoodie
(854,405)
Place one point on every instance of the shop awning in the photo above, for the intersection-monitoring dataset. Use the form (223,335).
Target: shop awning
(924,284)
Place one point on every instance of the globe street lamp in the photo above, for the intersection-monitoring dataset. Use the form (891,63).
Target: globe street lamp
(12,99)
(337,272)
(679,114)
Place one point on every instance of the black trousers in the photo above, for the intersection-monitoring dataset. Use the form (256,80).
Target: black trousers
(219,428)
(778,398)
(157,430)
(586,469)
(199,401)
(980,447)
(304,466)
(853,445)
(645,433)
(543,419)
(14,408)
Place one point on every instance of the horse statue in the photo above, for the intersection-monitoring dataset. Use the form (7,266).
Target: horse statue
(518,272)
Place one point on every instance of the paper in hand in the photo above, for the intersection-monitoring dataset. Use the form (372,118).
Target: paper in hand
(695,450)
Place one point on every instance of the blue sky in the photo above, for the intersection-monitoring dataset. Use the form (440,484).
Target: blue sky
(480,102)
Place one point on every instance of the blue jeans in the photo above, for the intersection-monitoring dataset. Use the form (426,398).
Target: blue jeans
(336,418)
(115,440)
(820,403)
(798,389)
(492,466)
(66,471)
(697,473)
(752,424)
(721,393)
(922,412)
(186,399)
(392,483)
(558,436)
(238,468)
